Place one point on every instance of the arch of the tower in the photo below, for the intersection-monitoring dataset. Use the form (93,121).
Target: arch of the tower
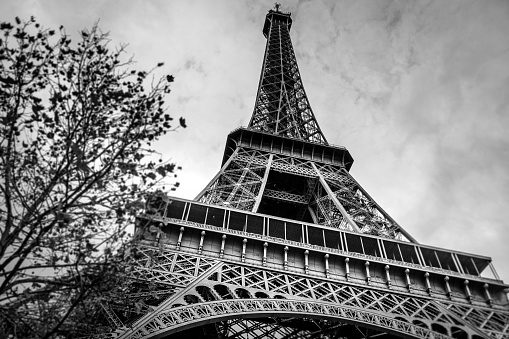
(229,293)
(185,317)
(237,311)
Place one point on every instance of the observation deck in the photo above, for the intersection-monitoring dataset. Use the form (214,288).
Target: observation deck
(319,251)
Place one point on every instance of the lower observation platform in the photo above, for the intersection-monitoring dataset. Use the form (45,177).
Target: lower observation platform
(320,251)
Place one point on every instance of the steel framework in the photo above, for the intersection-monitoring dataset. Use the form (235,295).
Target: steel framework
(284,243)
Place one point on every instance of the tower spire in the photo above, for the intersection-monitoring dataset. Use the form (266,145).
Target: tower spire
(282,107)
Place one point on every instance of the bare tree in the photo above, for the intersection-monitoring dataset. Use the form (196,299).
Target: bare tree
(76,127)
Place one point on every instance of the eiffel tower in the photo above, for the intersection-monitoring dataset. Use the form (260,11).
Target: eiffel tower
(284,243)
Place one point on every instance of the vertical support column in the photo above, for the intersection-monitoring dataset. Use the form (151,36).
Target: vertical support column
(467,290)
(179,241)
(347,269)
(285,262)
(428,285)
(407,278)
(264,260)
(197,266)
(388,276)
(264,182)
(223,241)
(327,274)
(368,276)
(447,287)
(220,273)
(306,261)
(243,257)
(200,247)
(487,294)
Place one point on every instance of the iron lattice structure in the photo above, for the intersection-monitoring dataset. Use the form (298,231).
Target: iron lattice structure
(284,243)
(282,107)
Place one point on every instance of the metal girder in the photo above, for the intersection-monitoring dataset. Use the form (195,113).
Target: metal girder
(264,182)
(239,181)
(333,197)
(300,199)
(222,291)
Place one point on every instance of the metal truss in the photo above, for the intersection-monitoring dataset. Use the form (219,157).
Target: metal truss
(285,196)
(294,328)
(239,181)
(326,211)
(272,328)
(282,107)
(333,196)
(496,323)
(166,268)
(252,302)
(194,315)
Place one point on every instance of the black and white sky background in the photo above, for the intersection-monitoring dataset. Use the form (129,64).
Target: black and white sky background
(418,91)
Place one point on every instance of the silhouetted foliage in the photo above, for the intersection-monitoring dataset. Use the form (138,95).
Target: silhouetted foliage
(76,127)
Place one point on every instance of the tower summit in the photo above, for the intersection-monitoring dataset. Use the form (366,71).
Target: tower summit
(282,107)
(284,243)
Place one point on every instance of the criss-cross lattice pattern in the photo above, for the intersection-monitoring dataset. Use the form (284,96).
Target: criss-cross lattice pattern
(282,107)
(292,328)
(168,320)
(218,290)
(346,205)
(240,328)
(362,209)
(488,320)
(238,184)
(424,312)
(152,264)
(326,211)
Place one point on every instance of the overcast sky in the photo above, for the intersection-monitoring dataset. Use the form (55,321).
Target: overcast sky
(418,91)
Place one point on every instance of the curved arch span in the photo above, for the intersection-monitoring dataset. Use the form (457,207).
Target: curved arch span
(173,320)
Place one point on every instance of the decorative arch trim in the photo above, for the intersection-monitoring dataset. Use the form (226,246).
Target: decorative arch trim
(184,317)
